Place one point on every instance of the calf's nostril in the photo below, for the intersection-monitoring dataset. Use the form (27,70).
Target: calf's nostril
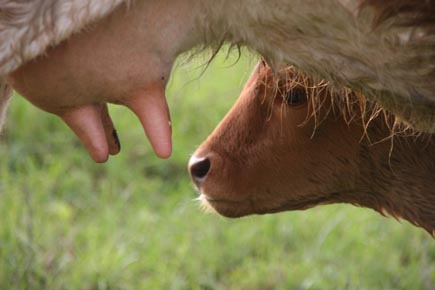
(199,167)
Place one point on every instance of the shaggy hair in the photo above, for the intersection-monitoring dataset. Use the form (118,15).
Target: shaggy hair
(351,105)
(384,49)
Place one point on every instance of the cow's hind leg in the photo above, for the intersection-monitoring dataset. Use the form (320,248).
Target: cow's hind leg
(5,97)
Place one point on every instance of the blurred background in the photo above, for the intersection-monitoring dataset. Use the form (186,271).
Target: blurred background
(132,223)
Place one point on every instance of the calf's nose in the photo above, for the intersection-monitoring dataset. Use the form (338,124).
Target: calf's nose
(198,168)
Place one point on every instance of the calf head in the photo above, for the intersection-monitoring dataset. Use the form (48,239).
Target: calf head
(291,142)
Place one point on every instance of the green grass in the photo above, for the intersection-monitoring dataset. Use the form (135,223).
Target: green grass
(68,223)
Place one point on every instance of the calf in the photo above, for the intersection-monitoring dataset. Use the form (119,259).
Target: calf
(291,143)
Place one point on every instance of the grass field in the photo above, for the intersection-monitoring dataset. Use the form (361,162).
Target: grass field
(68,223)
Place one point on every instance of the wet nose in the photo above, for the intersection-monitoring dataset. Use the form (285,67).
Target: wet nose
(198,168)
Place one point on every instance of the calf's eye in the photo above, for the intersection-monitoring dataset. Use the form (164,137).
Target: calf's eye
(295,97)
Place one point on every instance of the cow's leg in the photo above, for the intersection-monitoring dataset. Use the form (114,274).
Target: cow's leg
(5,97)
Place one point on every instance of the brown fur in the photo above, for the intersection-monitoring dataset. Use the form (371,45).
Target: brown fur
(267,156)
(416,13)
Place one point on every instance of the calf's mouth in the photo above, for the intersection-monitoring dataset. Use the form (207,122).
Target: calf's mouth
(226,207)
(239,208)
